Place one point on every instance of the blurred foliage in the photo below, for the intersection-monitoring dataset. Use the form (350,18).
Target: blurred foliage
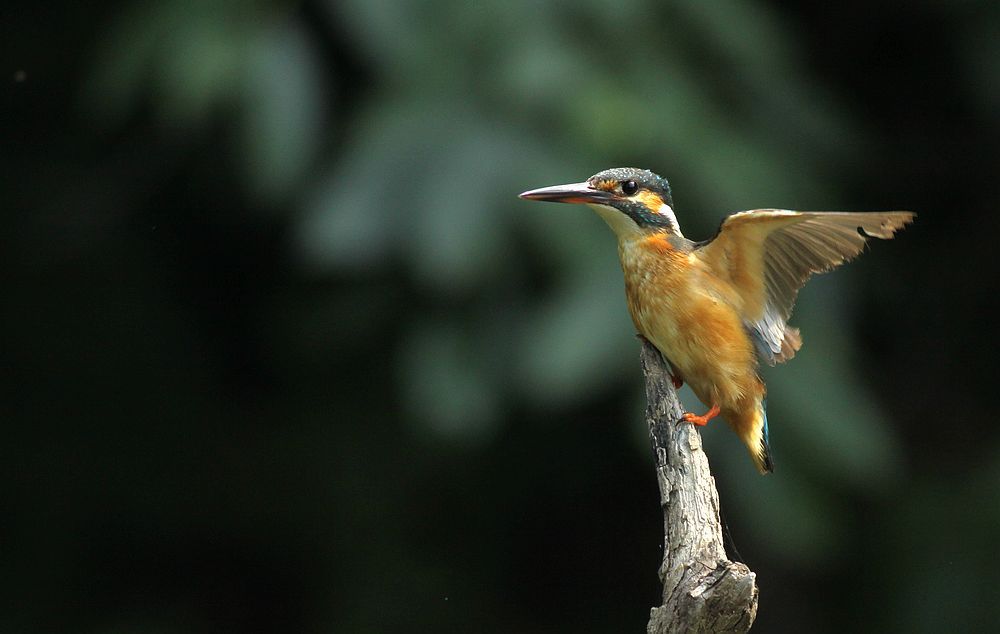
(310,341)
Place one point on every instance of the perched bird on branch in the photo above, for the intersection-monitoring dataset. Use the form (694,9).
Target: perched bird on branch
(716,309)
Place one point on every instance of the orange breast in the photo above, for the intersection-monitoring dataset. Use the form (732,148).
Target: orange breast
(690,316)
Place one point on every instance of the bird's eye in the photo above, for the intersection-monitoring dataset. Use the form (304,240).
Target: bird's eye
(629,187)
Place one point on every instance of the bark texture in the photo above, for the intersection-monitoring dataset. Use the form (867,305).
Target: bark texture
(702,590)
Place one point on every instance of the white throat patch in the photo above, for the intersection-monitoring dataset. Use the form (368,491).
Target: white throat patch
(623,226)
(667,212)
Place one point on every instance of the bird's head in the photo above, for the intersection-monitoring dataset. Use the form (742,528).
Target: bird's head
(632,201)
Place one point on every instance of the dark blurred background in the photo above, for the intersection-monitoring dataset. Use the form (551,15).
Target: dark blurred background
(283,351)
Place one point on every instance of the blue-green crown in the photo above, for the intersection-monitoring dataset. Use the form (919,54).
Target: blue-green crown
(638,209)
(643,178)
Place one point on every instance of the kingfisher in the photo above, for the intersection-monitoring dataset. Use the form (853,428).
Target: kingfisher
(719,308)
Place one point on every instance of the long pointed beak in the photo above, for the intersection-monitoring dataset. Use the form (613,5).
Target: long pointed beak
(572,193)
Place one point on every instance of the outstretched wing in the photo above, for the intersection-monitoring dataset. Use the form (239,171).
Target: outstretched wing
(768,254)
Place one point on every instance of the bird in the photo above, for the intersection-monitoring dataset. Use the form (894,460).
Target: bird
(719,308)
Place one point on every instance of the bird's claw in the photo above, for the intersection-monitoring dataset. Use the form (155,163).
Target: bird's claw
(701,421)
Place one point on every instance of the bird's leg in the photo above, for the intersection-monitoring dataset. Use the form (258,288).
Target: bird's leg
(675,376)
(701,421)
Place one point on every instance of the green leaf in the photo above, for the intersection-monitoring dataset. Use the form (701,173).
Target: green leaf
(283,109)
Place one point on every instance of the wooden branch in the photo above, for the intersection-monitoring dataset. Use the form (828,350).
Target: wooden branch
(702,590)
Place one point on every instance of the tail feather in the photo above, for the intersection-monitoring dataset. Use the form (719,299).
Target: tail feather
(758,441)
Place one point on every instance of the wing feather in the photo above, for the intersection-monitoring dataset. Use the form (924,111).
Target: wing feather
(768,254)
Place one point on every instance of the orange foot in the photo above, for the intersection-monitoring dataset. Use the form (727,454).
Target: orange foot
(701,421)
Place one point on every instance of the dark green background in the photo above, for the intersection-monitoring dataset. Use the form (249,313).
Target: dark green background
(283,351)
